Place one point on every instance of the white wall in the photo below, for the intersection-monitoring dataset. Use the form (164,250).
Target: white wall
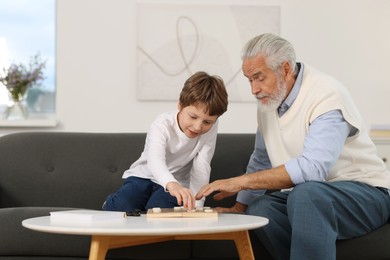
(96,55)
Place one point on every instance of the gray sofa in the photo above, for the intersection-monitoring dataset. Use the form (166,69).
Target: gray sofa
(46,171)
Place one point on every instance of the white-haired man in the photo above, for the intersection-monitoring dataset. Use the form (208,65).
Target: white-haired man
(310,138)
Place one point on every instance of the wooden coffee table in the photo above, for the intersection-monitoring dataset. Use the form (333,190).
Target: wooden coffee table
(130,231)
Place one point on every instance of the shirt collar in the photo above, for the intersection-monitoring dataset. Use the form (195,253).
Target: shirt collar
(287,103)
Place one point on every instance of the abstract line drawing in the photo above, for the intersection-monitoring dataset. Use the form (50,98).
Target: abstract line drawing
(176,40)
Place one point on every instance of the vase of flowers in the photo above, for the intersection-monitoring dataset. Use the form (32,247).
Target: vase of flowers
(18,78)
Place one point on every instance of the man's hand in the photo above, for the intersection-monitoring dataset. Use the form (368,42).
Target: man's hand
(274,178)
(183,195)
(225,188)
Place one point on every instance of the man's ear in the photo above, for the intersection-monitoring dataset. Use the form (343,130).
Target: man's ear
(287,70)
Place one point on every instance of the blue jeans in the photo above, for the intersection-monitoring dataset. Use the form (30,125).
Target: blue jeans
(305,223)
(139,193)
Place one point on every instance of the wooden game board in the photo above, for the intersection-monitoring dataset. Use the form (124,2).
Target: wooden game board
(181,213)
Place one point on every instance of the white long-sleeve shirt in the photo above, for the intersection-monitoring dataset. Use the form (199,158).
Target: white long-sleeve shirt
(170,156)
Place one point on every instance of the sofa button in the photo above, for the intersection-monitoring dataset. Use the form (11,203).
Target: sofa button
(50,169)
(113,169)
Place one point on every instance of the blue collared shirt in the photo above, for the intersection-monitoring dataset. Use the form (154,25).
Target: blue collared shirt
(322,147)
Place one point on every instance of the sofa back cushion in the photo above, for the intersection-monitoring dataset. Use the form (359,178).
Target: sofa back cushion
(64,169)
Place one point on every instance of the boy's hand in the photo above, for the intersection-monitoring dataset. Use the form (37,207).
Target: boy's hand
(183,195)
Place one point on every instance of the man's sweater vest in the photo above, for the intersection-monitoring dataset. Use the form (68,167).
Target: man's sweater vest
(284,136)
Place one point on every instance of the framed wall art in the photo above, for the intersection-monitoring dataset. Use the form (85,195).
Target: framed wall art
(176,40)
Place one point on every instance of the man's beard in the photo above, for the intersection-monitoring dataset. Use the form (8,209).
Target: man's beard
(275,100)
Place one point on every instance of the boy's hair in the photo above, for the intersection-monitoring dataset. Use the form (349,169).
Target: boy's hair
(201,88)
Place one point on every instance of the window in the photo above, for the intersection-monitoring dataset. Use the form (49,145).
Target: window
(27,28)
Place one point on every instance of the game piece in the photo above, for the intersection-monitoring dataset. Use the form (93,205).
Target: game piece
(156,210)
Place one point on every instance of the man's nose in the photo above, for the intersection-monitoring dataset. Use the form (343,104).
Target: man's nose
(256,89)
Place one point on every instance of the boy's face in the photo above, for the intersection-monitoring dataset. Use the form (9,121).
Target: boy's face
(193,121)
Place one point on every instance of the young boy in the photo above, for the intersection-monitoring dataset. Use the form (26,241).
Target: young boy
(178,150)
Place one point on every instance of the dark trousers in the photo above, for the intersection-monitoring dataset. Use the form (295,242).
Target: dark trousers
(141,194)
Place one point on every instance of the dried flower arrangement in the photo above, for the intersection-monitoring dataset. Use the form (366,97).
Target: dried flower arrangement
(17,78)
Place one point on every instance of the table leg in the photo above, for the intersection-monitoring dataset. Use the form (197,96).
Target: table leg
(99,247)
(241,240)
(243,244)
(101,244)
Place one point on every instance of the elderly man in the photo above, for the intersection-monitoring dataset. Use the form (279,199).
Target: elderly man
(310,143)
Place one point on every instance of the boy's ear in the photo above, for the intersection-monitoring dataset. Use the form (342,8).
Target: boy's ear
(179,105)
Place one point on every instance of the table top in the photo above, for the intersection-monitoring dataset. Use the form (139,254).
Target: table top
(149,226)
